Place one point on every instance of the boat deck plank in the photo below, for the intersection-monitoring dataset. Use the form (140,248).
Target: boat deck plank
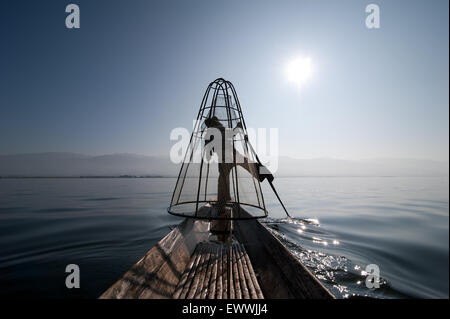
(219,271)
(240,267)
(220,280)
(236,283)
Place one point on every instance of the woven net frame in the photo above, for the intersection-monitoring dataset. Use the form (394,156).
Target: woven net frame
(216,182)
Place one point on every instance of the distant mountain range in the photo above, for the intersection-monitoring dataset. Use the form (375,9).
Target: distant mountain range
(74,165)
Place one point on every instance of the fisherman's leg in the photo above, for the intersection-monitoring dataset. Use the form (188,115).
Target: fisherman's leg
(252,168)
(223,187)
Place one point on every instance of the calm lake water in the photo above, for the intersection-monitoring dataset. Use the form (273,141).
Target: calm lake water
(341,225)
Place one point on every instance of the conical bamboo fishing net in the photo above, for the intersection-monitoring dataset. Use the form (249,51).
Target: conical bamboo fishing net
(220,176)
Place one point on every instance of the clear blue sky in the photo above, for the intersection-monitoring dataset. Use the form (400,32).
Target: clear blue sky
(137,69)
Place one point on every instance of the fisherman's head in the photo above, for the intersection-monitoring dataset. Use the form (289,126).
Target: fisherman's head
(213,122)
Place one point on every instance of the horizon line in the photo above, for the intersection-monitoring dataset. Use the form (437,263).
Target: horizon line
(288,156)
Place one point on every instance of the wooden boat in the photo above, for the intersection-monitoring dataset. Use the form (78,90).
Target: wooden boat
(220,250)
(192,262)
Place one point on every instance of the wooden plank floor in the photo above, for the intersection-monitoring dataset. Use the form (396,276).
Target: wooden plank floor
(219,271)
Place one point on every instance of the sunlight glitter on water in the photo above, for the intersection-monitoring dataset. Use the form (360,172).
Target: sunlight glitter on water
(332,270)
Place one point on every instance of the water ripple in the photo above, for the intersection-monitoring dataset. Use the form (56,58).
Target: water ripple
(343,277)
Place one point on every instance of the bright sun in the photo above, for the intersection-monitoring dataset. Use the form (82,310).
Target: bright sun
(299,70)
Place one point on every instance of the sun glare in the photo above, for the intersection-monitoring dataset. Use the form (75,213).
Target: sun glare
(299,70)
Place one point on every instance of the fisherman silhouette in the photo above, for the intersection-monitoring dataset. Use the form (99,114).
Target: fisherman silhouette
(227,163)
